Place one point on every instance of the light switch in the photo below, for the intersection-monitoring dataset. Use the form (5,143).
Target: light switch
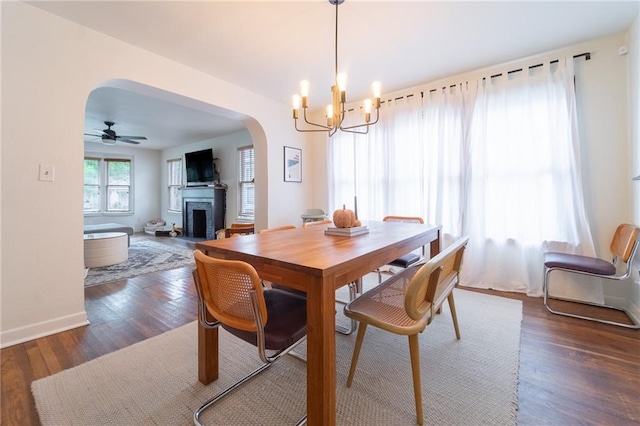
(47,172)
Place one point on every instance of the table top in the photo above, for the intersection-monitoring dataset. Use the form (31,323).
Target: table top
(104,235)
(312,251)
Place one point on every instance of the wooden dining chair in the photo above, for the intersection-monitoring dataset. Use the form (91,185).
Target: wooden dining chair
(237,229)
(406,304)
(323,222)
(276,228)
(230,292)
(624,246)
(409,258)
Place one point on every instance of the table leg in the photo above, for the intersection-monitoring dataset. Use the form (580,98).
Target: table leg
(435,246)
(321,354)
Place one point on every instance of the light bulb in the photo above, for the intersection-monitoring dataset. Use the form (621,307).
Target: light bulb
(341,81)
(304,88)
(367,106)
(377,89)
(295,100)
(329,115)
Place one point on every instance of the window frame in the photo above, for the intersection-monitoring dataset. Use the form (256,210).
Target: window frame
(172,186)
(104,185)
(246,183)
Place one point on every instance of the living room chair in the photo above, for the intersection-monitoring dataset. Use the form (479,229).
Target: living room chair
(624,245)
(409,258)
(406,304)
(231,293)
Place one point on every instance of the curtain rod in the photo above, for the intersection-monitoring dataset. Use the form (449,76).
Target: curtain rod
(587,56)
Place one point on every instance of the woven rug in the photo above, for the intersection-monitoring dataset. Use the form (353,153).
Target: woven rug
(145,256)
(472,381)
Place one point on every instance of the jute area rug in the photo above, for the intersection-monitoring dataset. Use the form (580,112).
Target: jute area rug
(472,381)
(145,256)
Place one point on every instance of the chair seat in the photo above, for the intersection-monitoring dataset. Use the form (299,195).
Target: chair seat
(383,306)
(286,320)
(576,262)
(405,261)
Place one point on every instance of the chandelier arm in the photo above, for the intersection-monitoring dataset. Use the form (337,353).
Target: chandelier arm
(310,130)
(312,123)
(362,124)
(352,129)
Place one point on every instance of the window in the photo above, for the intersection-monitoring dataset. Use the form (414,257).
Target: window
(91,185)
(246,200)
(174,177)
(107,185)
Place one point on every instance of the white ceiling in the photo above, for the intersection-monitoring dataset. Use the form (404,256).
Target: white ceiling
(269,46)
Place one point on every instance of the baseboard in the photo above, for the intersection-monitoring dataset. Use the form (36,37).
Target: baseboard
(41,329)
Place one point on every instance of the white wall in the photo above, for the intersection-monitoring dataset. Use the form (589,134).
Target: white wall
(48,71)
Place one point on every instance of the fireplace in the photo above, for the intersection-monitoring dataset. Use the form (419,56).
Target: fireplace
(203,211)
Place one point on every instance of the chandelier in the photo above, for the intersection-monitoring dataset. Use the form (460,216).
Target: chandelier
(336,110)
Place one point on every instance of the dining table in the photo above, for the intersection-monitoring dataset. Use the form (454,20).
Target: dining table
(317,263)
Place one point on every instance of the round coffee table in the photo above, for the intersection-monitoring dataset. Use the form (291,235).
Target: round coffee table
(104,249)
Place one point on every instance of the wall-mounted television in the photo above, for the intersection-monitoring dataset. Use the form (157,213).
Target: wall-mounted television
(201,171)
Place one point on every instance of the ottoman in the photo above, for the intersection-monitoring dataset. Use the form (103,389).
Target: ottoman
(104,249)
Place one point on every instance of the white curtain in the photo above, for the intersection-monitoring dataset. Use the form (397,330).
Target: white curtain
(524,196)
(496,159)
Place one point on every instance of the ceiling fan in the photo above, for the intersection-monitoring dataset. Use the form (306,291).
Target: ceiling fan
(110,137)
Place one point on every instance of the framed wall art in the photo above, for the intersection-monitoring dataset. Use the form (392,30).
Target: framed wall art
(292,164)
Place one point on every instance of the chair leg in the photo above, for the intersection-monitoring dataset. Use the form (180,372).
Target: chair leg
(220,395)
(454,316)
(356,353)
(354,288)
(545,286)
(414,351)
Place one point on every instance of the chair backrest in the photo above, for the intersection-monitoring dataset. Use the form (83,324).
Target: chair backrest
(624,241)
(313,212)
(277,228)
(226,287)
(433,282)
(317,223)
(405,219)
(237,229)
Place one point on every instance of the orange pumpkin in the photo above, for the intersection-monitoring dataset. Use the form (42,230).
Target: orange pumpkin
(344,218)
(357,223)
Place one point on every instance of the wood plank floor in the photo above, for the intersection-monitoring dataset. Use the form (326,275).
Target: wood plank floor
(572,372)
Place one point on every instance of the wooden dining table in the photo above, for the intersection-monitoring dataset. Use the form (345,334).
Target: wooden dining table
(309,260)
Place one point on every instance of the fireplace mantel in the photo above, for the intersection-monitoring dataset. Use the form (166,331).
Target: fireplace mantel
(206,204)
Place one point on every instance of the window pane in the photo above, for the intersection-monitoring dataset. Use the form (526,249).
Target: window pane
(91,171)
(174,172)
(118,172)
(117,199)
(246,199)
(175,200)
(91,198)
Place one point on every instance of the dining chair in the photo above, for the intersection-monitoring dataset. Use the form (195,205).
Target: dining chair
(236,229)
(317,223)
(624,245)
(406,304)
(231,296)
(276,228)
(409,258)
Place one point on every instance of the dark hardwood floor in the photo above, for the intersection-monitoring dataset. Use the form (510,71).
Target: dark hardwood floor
(572,372)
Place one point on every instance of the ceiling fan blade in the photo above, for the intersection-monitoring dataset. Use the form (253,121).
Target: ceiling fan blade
(90,134)
(142,138)
(121,139)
